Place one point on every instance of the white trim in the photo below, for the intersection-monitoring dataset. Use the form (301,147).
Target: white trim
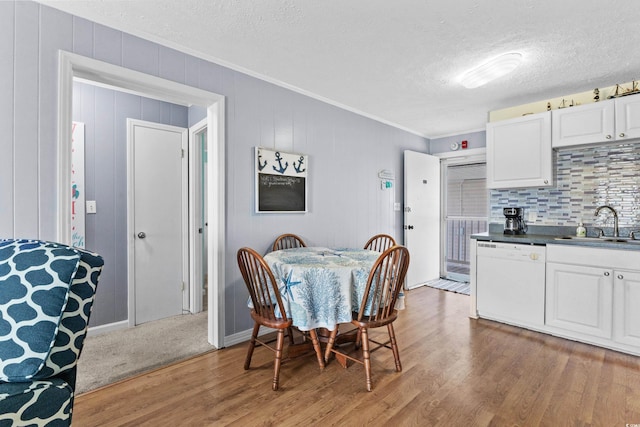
(216,219)
(72,65)
(195,208)
(110,327)
(65,101)
(463,154)
(244,336)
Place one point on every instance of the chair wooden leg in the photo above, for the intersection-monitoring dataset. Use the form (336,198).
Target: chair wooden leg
(252,345)
(366,356)
(278,361)
(290,333)
(394,347)
(316,347)
(358,338)
(332,339)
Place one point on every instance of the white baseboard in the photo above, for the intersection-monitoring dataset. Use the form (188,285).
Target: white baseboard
(244,336)
(229,340)
(110,327)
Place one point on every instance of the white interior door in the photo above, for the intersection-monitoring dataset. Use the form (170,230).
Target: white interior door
(422,216)
(157,220)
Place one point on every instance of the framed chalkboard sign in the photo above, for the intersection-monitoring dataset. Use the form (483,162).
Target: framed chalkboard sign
(281,181)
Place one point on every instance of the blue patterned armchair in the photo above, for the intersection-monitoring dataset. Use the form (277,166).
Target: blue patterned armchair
(46,294)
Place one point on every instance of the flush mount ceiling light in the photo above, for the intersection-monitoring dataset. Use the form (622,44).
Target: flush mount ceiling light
(491,70)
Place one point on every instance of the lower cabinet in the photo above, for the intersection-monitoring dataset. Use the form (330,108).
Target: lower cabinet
(626,307)
(579,298)
(591,295)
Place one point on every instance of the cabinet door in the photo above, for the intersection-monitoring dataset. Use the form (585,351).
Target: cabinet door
(584,124)
(519,152)
(626,307)
(579,299)
(627,117)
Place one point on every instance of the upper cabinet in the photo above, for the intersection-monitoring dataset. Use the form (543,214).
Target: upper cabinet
(628,117)
(519,152)
(584,124)
(612,120)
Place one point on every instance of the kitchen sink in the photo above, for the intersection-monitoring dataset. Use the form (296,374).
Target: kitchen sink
(600,239)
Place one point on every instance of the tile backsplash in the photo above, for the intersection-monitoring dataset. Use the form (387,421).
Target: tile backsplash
(585,179)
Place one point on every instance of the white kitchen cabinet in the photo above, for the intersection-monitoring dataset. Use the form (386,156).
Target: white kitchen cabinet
(519,152)
(626,303)
(611,120)
(593,295)
(584,294)
(579,299)
(584,124)
(627,117)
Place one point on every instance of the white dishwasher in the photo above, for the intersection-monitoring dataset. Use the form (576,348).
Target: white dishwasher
(510,282)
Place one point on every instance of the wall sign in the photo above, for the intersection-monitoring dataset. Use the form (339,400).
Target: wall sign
(281,181)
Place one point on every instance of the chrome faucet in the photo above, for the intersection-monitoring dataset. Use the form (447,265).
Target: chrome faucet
(616,232)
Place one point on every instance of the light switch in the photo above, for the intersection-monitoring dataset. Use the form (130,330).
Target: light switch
(91,206)
(396,207)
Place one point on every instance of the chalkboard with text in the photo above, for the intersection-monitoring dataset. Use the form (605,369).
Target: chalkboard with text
(281,181)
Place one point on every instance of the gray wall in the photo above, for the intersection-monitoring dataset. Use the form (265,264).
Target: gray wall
(104,113)
(345,150)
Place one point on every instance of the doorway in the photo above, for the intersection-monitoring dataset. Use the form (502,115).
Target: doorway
(79,67)
(465,212)
(157,220)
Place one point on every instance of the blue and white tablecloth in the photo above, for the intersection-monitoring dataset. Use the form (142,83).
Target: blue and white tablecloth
(320,286)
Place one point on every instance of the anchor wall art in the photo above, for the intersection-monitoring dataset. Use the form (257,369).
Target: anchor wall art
(281,181)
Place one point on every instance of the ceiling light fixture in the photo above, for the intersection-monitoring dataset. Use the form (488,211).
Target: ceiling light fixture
(491,70)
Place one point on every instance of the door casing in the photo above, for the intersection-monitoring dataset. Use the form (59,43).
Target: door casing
(195,218)
(73,66)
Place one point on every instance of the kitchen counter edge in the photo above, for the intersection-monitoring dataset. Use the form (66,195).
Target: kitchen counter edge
(545,239)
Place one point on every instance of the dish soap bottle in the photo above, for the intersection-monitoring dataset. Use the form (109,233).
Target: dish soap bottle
(581,231)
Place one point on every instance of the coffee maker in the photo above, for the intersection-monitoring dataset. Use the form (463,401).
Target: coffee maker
(514,222)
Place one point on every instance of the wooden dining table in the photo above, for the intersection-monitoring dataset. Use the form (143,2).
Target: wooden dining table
(320,287)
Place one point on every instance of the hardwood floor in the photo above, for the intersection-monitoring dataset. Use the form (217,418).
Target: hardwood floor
(456,372)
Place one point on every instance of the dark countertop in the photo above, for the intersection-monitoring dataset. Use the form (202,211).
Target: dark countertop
(551,236)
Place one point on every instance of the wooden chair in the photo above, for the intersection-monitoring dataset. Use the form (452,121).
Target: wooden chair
(268,309)
(380,243)
(288,241)
(377,309)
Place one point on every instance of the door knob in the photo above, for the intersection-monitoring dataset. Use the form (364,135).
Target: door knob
(141,235)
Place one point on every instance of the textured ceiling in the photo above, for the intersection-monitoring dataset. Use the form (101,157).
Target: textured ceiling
(397,61)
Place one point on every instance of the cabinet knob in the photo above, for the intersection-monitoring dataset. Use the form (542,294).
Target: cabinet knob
(622,135)
(620,276)
(608,136)
(606,273)
(546,181)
